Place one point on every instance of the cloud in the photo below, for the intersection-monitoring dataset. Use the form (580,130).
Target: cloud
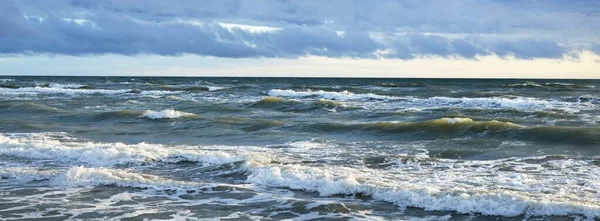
(118,35)
(334,28)
(595,48)
(530,48)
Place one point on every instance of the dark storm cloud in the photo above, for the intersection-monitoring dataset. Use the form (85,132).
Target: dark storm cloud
(335,28)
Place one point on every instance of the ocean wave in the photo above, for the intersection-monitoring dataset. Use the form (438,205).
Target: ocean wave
(81,175)
(19,106)
(403,102)
(43,147)
(533,186)
(519,103)
(587,99)
(559,84)
(282,104)
(120,114)
(330,103)
(270,100)
(68,86)
(440,125)
(215,88)
(429,195)
(190,88)
(451,124)
(525,84)
(453,127)
(100,176)
(331,95)
(9,86)
(183,88)
(167,114)
(28,173)
(32,91)
(549,85)
(408,84)
(49,90)
(164,114)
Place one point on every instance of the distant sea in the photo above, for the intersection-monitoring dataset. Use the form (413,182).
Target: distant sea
(134,148)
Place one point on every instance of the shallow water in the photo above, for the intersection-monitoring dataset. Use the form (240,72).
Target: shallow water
(298,148)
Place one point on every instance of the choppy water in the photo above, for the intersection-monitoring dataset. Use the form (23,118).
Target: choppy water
(286,148)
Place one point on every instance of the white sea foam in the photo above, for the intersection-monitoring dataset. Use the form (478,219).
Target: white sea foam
(166,114)
(331,95)
(107,154)
(404,102)
(505,187)
(81,175)
(559,83)
(526,84)
(28,173)
(430,191)
(58,90)
(67,90)
(90,176)
(214,88)
(457,120)
(519,103)
(65,86)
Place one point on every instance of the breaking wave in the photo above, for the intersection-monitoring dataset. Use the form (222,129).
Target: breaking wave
(68,86)
(106,154)
(519,103)
(331,95)
(549,85)
(68,90)
(167,114)
(506,187)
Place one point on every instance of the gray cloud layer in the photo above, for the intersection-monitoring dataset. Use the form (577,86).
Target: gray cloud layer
(385,28)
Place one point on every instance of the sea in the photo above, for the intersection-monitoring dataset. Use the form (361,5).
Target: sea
(188,148)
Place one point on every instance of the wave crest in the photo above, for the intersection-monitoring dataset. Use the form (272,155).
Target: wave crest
(503,187)
(107,154)
(439,125)
(167,114)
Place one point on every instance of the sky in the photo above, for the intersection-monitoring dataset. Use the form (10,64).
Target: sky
(302,38)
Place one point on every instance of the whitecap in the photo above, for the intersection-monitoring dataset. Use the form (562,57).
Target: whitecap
(560,84)
(457,120)
(46,147)
(215,88)
(65,86)
(331,95)
(504,187)
(437,193)
(404,102)
(81,175)
(58,90)
(166,114)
